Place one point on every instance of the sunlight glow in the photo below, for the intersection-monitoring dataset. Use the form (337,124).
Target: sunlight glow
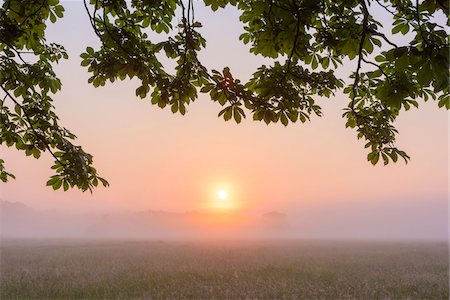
(223,195)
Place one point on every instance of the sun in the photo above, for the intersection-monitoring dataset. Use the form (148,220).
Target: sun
(222,198)
(222,195)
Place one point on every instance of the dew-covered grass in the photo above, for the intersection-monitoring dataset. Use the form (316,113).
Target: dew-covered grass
(77,269)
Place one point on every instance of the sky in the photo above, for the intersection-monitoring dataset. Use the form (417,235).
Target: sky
(316,173)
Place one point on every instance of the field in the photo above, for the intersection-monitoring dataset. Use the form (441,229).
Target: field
(72,269)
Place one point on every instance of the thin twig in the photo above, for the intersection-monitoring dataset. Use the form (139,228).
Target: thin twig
(92,20)
(386,8)
(375,65)
(376,33)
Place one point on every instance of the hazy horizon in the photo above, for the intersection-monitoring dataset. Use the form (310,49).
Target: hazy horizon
(21,221)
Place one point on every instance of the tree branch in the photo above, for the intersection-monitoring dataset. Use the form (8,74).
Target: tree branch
(35,13)
(294,46)
(92,20)
(15,50)
(360,52)
(419,23)
(30,122)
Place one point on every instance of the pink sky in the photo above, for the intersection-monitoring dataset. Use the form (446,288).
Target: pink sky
(156,160)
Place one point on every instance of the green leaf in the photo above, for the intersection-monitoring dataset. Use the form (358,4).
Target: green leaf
(17,109)
(65,185)
(207,88)
(57,184)
(397,28)
(52,180)
(174,107)
(182,109)
(325,62)
(283,119)
(52,17)
(85,62)
(394,156)
(373,157)
(402,63)
(103,181)
(380,58)
(424,75)
(228,114)
(237,115)
(314,63)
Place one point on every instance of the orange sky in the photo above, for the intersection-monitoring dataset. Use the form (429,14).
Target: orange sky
(156,160)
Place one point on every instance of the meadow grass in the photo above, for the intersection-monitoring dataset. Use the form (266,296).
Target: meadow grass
(82,269)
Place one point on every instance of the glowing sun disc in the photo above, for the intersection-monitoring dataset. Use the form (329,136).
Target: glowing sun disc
(222,195)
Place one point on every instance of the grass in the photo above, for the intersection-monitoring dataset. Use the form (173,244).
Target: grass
(70,269)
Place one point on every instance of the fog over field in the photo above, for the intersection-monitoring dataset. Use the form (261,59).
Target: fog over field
(362,222)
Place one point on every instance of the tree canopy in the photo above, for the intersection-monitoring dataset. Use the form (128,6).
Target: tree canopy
(308,40)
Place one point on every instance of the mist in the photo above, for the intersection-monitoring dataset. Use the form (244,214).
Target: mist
(418,220)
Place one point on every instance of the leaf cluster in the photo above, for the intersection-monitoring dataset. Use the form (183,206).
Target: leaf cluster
(28,120)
